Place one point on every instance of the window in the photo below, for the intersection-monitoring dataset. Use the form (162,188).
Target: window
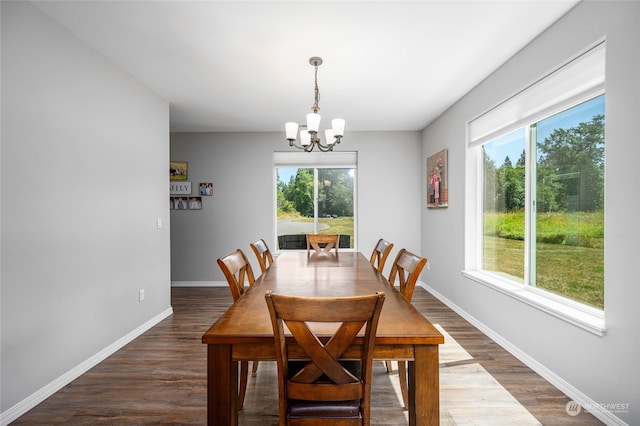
(315,193)
(535,198)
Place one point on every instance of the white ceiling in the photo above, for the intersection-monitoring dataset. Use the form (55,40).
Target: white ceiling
(243,65)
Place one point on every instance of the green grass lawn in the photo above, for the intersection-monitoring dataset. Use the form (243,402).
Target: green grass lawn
(569,252)
(339,225)
(571,267)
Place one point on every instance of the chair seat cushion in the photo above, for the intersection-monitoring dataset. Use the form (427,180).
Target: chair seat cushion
(325,409)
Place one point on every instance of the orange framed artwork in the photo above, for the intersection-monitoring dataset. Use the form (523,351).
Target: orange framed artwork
(437,180)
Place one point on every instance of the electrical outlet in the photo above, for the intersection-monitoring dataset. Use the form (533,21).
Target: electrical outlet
(140,295)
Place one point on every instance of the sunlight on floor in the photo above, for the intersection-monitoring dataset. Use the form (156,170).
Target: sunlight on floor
(469,395)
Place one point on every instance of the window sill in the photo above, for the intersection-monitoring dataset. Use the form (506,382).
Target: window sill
(582,316)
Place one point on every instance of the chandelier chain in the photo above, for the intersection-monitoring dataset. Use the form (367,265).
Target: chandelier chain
(316,107)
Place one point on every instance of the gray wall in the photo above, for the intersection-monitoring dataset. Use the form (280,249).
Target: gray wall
(604,369)
(241,209)
(84,155)
(85,150)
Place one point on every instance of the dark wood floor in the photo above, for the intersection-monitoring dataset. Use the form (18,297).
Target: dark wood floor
(160,377)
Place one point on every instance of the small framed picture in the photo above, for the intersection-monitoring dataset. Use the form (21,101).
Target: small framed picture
(437,180)
(180,203)
(206,189)
(195,203)
(178,170)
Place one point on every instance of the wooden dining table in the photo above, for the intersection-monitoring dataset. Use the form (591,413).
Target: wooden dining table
(244,331)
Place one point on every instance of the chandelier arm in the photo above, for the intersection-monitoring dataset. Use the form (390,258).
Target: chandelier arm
(312,145)
(293,144)
(324,148)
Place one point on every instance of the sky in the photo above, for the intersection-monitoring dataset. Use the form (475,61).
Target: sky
(512,144)
(285,174)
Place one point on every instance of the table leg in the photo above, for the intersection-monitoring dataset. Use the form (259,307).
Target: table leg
(222,386)
(424,387)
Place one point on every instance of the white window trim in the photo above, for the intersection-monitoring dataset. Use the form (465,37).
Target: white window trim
(338,159)
(578,314)
(487,126)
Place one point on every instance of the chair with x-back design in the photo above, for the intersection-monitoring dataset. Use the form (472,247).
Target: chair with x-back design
(322,243)
(263,254)
(380,253)
(237,270)
(406,270)
(315,385)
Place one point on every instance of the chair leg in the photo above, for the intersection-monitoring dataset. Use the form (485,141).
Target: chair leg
(244,373)
(389,367)
(254,370)
(402,377)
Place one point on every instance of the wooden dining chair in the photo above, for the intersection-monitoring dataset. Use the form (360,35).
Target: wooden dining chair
(322,243)
(237,270)
(380,253)
(314,385)
(262,252)
(406,270)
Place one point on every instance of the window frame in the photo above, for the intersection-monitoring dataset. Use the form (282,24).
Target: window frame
(315,161)
(488,127)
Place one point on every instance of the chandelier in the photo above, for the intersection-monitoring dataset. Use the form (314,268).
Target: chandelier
(309,138)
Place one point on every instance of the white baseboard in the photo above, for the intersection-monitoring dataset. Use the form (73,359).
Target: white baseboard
(199,284)
(37,397)
(605,416)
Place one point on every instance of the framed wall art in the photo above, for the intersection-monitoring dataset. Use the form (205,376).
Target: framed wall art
(179,188)
(437,180)
(178,170)
(180,203)
(206,188)
(195,203)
